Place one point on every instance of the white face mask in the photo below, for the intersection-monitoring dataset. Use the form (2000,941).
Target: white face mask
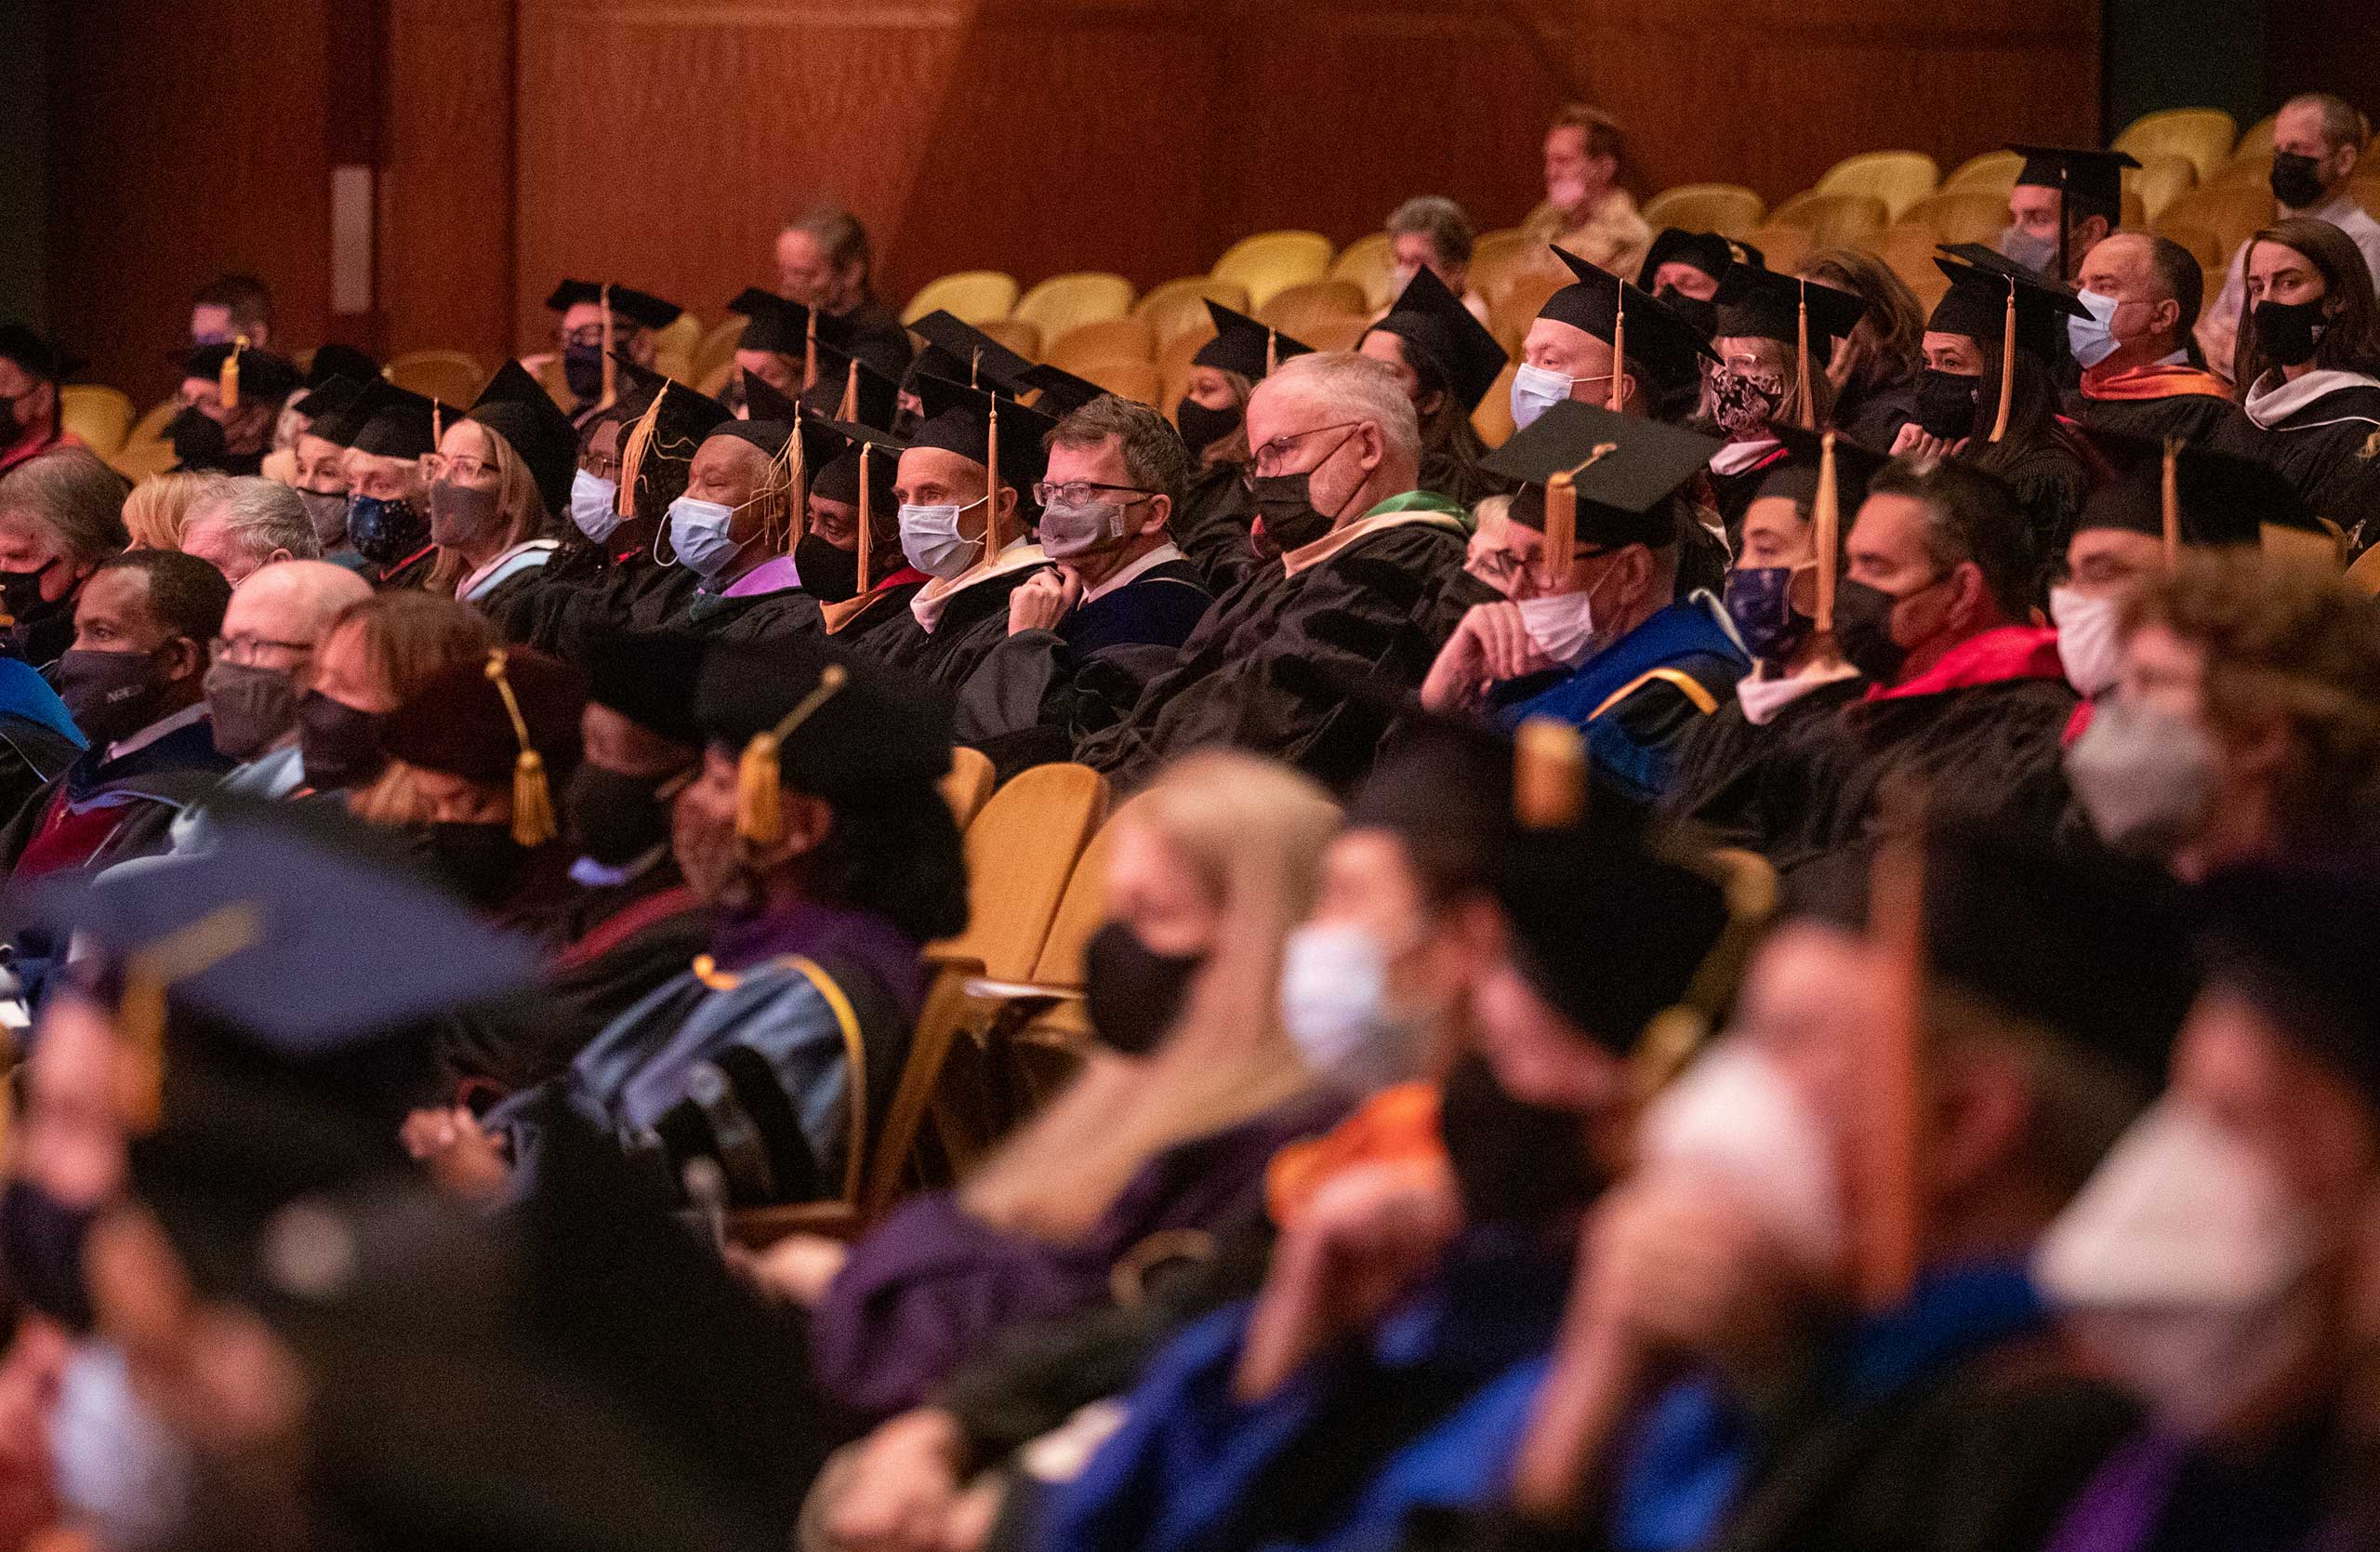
(2145,776)
(2093,338)
(1563,624)
(115,1464)
(592,500)
(2184,1265)
(2086,641)
(1735,1117)
(1538,389)
(1566,194)
(930,540)
(1335,1005)
(1399,277)
(699,533)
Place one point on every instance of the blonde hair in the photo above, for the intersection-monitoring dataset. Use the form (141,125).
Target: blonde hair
(1254,831)
(153,514)
(516,497)
(409,638)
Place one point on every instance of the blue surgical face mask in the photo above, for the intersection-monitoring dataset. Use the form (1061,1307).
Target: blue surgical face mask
(592,502)
(115,1464)
(930,540)
(699,533)
(1537,390)
(2093,338)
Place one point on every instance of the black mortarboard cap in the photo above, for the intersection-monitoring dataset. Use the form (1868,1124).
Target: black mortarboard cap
(1761,304)
(264,375)
(2092,180)
(880,730)
(1669,347)
(781,325)
(1454,346)
(2223,498)
(833,448)
(2284,931)
(957,419)
(39,356)
(764,401)
(1707,251)
(686,416)
(965,345)
(1062,391)
(1444,787)
(339,361)
(516,408)
(396,422)
(1797,479)
(769,436)
(1240,344)
(329,408)
(1623,494)
(879,395)
(647,676)
(458,724)
(641,308)
(1976,306)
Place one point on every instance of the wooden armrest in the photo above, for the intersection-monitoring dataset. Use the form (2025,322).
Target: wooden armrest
(759,1227)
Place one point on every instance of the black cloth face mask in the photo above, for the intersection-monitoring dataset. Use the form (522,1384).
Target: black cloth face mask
(1134,993)
(616,817)
(338,745)
(1284,503)
(250,707)
(1863,628)
(1946,403)
(582,371)
(2295,181)
(1513,1163)
(2290,332)
(827,574)
(1201,428)
(112,695)
(41,1241)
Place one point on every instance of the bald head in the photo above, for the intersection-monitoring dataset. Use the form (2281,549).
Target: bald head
(293,602)
(2157,286)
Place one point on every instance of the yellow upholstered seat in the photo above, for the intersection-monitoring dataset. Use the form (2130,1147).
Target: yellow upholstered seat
(1497,259)
(2231,212)
(1064,302)
(1023,337)
(1898,177)
(1111,340)
(969,785)
(1270,262)
(1729,210)
(1306,310)
(1371,262)
(718,346)
(1995,170)
(2257,139)
(2204,135)
(1138,380)
(674,345)
(1179,305)
(2161,178)
(972,295)
(1834,221)
(101,415)
(1960,215)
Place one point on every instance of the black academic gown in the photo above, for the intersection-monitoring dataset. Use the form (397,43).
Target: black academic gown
(1210,526)
(1742,785)
(765,617)
(2321,451)
(1873,420)
(2050,483)
(629,593)
(1378,607)
(871,624)
(411,572)
(973,622)
(2199,419)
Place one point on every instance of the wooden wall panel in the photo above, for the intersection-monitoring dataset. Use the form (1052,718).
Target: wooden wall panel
(188,139)
(443,264)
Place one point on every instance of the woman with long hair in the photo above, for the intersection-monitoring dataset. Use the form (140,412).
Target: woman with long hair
(1874,370)
(2308,371)
(487,516)
(376,657)
(1166,1129)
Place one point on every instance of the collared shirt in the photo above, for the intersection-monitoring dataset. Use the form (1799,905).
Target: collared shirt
(1158,557)
(134,744)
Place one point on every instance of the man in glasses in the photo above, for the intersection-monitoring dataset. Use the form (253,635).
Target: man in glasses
(1122,593)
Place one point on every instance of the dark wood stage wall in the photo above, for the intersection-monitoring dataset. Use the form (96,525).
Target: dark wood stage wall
(661,142)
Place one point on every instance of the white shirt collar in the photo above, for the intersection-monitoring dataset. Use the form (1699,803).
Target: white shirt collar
(1762,698)
(1737,456)
(156,730)
(2179,358)
(1158,557)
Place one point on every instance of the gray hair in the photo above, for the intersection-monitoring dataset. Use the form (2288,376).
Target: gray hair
(1441,220)
(259,516)
(2343,122)
(71,492)
(1354,388)
(840,236)
(1154,457)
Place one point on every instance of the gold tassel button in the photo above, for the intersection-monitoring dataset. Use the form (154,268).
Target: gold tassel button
(759,774)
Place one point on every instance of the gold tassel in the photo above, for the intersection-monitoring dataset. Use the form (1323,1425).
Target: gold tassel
(533,799)
(975,369)
(848,411)
(227,381)
(633,448)
(1271,349)
(992,539)
(1801,360)
(760,808)
(797,489)
(611,369)
(2007,364)
(809,350)
(2169,494)
(437,423)
(1548,774)
(1562,517)
(866,538)
(141,1010)
(1826,525)
(1619,394)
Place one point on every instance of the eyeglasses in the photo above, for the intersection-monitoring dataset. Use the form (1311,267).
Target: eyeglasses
(603,466)
(1499,566)
(243,651)
(1075,493)
(1267,460)
(438,466)
(593,333)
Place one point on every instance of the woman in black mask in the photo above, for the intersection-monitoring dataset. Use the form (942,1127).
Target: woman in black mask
(2308,370)
(373,658)
(1189,1086)
(1212,524)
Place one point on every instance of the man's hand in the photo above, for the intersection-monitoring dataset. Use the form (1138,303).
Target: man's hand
(902,1482)
(1913,442)
(799,1269)
(1046,597)
(1681,1267)
(1490,646)
(463,1158)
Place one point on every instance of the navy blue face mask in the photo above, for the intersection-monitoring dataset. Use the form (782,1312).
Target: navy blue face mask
(1760,602)
(582,369)
(42,1237)
(385,532)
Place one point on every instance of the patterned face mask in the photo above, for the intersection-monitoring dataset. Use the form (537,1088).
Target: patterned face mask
(1743,403)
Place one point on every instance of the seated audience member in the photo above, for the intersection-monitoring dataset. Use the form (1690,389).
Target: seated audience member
(2142,295)
(318,469)
(2308,370)
(828,559)
(32,371)
(1762,382)
(1736,776)
(1683,270)
(1715,1383)
(231,397)
(732,528)
(1344,1396)
(2318,143)
(154,509)
(1501,553)
(824,261)
(963,529)
(239,524)
(1586,212)
(1448,361)
(1567,353)
(229,308)
(372,658)
(1602,642)
(772,346)
(2240,1209)
(265,665)
(342,365)
(496,483)
(1972,358)
(2063,203)
(1873,370)
(1430,231)
(388,503)
(2244,722)
(594,318)
(135,682)
(1962,699)
(1212,526)
(62,515)
(631,922)
(824,884)
(1191,1088)
(1363,587)
(1122,596)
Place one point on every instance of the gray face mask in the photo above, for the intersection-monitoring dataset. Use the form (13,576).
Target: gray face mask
(2145,776)
(2037,254)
